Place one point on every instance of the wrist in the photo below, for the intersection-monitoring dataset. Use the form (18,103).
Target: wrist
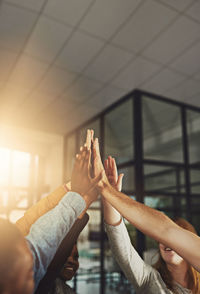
(65,188)
(114,222)
(103,186)
(87,200)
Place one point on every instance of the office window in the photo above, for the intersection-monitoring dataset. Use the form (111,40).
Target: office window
(163,178)
(128,182)
(21,168)
(163,166)
(89,251)
(193,129)
(18,181)
(118,138)
(162,132)
(196,222)
(195,180)
(162,203)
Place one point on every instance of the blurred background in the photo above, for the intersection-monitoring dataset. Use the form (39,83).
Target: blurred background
(128,69)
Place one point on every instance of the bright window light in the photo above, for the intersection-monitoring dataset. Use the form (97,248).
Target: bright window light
(4,166)
(21,169)
(14,177)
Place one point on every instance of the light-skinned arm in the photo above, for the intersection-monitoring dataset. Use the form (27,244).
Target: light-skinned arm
(111,215)
(150,221)
(136,270)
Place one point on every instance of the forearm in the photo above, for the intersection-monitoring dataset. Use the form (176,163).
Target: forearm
(40,208)
(144,218)
(137,272)
(156,225)
(49,230)
(111,215)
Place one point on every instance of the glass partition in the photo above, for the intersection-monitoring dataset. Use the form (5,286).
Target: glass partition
(195,180)
(19,182)
(196,221)
(162,133)
(164,178)
(193,129)
(159,202)
(89,252)
(168,162)
(128,183)
(118,140)
(164,204)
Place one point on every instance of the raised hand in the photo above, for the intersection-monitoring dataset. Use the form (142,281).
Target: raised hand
(98,165)
(89,138)
(88,144)
(112,174)
(81,181)
(111,215)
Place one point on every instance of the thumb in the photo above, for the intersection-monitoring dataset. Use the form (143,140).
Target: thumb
(119,182)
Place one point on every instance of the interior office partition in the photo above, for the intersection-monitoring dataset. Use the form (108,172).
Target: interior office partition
(156,144)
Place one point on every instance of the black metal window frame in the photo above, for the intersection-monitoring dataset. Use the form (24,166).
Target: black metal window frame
(138,161)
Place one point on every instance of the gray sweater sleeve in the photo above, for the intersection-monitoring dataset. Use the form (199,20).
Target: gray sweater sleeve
(48,231)
(136,270)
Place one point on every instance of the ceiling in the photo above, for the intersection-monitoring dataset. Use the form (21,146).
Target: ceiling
(64,61)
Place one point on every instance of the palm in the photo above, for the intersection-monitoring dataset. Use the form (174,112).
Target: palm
(112,174)
(98,166)
(81,180)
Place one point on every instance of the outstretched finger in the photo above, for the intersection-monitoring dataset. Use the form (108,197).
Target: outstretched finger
(114,169)
(96,152)
(110,165)
(92,135)
(119,182)
(83,151)
(88,139)
(96,148)
(109,172)
(86,161)
(106,166)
